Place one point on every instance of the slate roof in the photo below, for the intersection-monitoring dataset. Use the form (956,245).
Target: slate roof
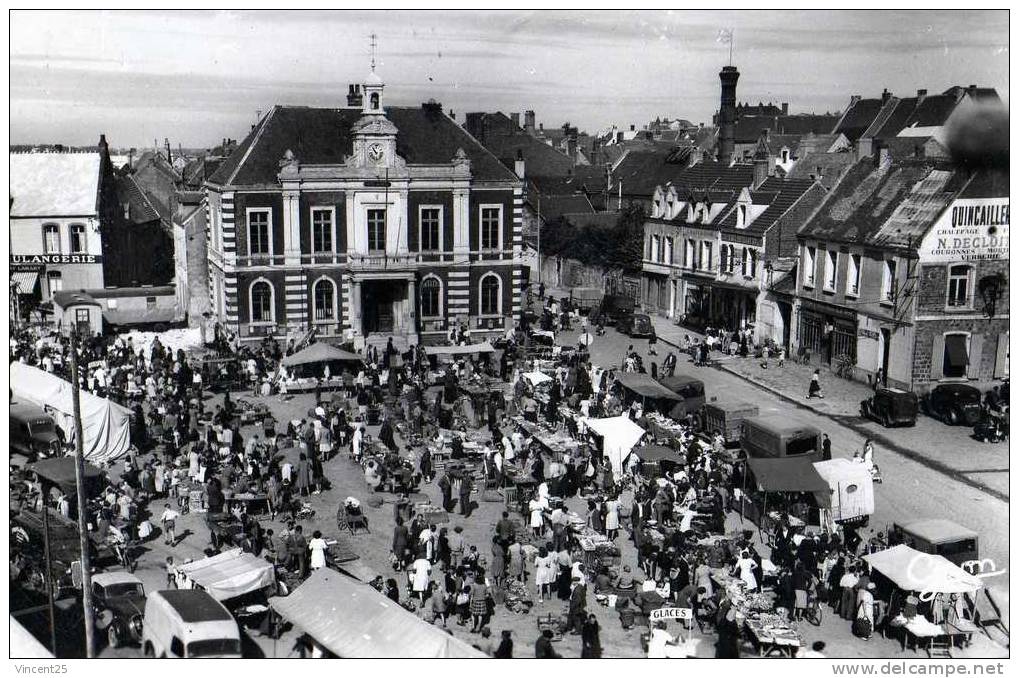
(323,136)
(779,194)
(141,209)
(54,184)
(883,204)
(987,183)
(858,117)
(806,123)
(832,167)
(748,127)
(555,206)
(933,111)
(540,159)
(895,119)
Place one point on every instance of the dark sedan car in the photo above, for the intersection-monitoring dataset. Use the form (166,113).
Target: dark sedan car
(636,325)
(954,404)
(891,407)
(119,599)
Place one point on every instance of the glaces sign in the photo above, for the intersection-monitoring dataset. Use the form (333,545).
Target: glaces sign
(972,229)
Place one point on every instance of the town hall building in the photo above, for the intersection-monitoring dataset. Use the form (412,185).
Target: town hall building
(364,223)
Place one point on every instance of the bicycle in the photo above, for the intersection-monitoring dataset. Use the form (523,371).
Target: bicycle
(814,613)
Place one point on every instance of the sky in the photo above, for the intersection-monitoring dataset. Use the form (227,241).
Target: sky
(196,76)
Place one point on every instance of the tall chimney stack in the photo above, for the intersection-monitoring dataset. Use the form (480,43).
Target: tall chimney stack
(515,119)
(727,114)
(529,121)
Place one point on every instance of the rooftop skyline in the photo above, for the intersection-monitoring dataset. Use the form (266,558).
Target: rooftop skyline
(196,76)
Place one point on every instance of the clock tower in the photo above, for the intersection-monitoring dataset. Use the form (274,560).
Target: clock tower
(374,134)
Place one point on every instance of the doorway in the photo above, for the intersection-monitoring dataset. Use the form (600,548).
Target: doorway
(383,305)
(886,352)
(786,312)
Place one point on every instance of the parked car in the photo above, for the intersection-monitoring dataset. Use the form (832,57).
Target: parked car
(611,309)
(938,537)
(890,407)
(636,325)
(778,436)
(953,404)
(692,392)
(33,432)
(119,600)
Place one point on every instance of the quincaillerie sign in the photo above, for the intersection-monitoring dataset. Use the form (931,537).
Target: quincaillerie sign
(17,259)
(971,229)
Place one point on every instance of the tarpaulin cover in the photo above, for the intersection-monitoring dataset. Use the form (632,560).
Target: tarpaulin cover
(60,471)
(912,570)
(787,474)
(229,574)
(619,435)
(537,378)
(644,386)
(321,353)
(353,620)
(851,487)
(105,424)
(483,347)
(659,453)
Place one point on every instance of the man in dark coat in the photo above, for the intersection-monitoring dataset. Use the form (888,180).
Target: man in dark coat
(401,538)
(543,648)
(578,606)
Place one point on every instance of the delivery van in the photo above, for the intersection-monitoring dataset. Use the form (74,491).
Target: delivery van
(778,436)
(33,432)
(189,623)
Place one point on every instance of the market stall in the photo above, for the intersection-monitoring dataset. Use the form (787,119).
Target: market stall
(642,388)
(931,576)
(106,426)
(228,575)
(851,487)
(618,436)
(789,483)
(319,365)
(351,619)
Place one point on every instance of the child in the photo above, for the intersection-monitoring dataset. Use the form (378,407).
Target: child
(171,573)
(439,608)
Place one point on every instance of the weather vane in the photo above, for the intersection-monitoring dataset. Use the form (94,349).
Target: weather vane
(374,44)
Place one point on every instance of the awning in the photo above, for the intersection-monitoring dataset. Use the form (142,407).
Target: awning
(644,386)
(139,316)
(787,474)
(60,471)
(656,453)
(230,574)
(470,349)
(321,352)
(537,378)
(619,435)
(24,281)
(353,620)
(912,570)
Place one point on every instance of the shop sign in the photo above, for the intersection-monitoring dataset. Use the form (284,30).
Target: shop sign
(17,259)
(26,268)
(671,613)
(827,309)
(869,334)
(971,229)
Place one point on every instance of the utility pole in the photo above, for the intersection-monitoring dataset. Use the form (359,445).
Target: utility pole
(539,233)
(49,576)
(79,477)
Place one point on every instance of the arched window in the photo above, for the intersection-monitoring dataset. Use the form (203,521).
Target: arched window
(324,295)
(374,98)
(51,238)
(491,291)
(261,302)
(77,239)
(431,298)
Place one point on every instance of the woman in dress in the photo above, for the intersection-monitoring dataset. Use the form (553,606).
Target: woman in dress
(498,569)
(612,518)
(537,517)
(542,574)
(318,547)
(478,602)
(744,569)
(516,562)
(421,576)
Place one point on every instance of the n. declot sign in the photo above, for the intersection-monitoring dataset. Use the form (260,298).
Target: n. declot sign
(971,229)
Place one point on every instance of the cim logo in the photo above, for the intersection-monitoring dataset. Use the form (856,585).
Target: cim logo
(924,567)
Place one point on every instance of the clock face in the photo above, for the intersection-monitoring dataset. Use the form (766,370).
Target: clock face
(376,153)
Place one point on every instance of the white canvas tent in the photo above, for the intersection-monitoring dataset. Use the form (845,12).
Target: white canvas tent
(852,488)
(912,570)
(536,378)
(352,620)
(105,424)
(229,574)
(619,435)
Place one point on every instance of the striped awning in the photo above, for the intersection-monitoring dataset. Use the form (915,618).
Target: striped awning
(24,281)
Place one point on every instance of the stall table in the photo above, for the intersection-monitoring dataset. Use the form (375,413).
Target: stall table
(773,635)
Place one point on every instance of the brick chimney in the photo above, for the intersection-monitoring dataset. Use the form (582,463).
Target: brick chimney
(728,76)
(515,119)
(355,98)
(529,121)
(785,109)
(885,95)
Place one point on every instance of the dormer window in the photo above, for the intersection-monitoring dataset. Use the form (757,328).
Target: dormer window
(741,217)
(785,155)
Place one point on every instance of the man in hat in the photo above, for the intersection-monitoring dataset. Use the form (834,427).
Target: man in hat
(578,606)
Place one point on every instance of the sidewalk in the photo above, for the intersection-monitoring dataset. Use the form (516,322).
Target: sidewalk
(841,396)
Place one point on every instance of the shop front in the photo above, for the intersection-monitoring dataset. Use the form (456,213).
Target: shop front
(827,331)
